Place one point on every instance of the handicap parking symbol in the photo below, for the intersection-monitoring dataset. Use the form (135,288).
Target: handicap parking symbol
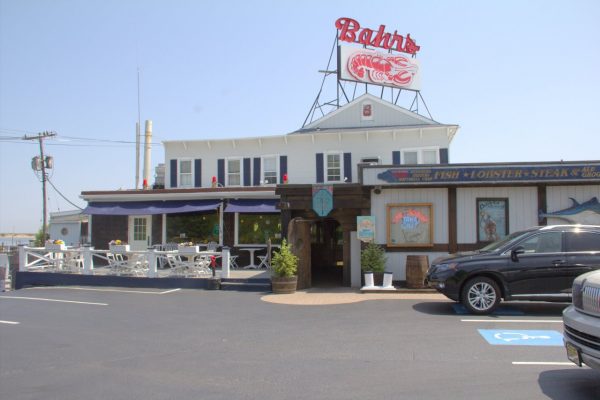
(522,338)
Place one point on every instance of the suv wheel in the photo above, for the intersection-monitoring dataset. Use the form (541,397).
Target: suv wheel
(480,295)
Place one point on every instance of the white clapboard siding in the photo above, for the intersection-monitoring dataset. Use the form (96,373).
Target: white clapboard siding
(522,209)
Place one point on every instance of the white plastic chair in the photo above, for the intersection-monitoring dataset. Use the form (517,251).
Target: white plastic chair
(264,262)
(233,262)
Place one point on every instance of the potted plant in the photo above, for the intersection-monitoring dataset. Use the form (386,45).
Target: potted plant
(55,245)
(372,262)
(118,246)
(284,265)
(187,248)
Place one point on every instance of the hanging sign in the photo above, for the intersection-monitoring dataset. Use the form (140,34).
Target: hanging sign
(365,228)
(322,199)
(351,31)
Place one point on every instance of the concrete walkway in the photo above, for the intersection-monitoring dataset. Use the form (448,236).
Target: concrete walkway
(328,296)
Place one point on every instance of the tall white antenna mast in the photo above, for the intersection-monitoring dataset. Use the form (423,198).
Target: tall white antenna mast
(137,136)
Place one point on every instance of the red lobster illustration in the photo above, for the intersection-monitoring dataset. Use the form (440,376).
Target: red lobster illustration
(391,70)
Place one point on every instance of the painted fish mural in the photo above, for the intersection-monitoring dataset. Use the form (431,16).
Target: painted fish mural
(579,213)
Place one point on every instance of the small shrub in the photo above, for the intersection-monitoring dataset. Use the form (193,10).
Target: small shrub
(372,258)
(284,263)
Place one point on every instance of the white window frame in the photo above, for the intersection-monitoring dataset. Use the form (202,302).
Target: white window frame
(262,170)
(179,173)
(326,169)
(419,151)
(241,161)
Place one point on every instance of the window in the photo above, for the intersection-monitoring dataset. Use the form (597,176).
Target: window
(550,242)
(258,228)
(185,173)
(430,157)
(583,241)
(269,165)
(410,157)
(334,167)
(420,156)
(197,228)
(234,172)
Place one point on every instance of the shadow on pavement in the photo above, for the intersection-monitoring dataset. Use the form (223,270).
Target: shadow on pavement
(521,309)
(435,308)
(572,384)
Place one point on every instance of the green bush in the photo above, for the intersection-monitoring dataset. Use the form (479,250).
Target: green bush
(284,263)
(372,258)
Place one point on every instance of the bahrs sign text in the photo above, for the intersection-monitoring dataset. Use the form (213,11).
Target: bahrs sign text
(350,31)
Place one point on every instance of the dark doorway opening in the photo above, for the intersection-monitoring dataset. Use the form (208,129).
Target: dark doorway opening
(327,243)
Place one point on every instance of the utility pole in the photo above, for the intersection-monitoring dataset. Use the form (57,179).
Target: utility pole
(40,164)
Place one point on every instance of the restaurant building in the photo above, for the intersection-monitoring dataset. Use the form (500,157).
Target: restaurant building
(368,158)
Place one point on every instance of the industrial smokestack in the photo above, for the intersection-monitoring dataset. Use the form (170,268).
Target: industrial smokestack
(137,155)
(147,151)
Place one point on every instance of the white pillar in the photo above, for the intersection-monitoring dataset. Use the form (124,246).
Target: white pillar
(225,262)
(88,261)
(164,229)
(355,270)
(151,257)
(22,258)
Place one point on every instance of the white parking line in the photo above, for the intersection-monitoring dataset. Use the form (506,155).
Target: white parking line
(53,300)
(10,322)
(105,290)
(170,291)
(566,364)
(529,321)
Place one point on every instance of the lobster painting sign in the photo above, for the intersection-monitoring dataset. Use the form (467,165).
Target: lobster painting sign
(385,69)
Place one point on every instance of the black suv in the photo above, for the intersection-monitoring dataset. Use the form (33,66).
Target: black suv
(537,264)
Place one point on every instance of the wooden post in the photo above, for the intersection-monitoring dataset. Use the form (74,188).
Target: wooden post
(299,238)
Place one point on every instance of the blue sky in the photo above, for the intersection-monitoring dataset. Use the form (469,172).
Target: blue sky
(520,78)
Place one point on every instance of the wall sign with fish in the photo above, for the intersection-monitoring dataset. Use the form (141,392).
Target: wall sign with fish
(587,213)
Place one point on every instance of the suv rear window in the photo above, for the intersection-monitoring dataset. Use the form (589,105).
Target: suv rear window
(583,241)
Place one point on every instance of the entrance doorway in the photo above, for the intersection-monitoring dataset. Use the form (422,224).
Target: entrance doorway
(327,243)
(140,232)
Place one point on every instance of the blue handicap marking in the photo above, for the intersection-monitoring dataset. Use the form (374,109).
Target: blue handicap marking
(507,337)
(462,310)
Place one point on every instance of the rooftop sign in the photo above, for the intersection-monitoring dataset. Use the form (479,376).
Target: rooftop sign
(350,31)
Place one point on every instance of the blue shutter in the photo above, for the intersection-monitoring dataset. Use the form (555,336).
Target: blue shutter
(197,172)
(256,171)
(443,156)
(221,171)
(396,158)
(348,167)
(282,167)
(173,173)
(247,171)
(319,167)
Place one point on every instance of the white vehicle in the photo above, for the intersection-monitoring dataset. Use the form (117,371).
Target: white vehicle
(582,321)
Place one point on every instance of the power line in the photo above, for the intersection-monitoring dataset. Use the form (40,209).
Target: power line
(62,195)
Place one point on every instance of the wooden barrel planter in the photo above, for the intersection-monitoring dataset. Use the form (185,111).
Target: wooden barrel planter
(416,271)
(284,285)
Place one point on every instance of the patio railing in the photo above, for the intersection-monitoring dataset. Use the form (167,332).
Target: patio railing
(81,260)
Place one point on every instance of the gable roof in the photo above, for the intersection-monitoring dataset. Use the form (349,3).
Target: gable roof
(385,114)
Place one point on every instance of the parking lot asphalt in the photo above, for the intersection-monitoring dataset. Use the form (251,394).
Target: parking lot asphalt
(99,343)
